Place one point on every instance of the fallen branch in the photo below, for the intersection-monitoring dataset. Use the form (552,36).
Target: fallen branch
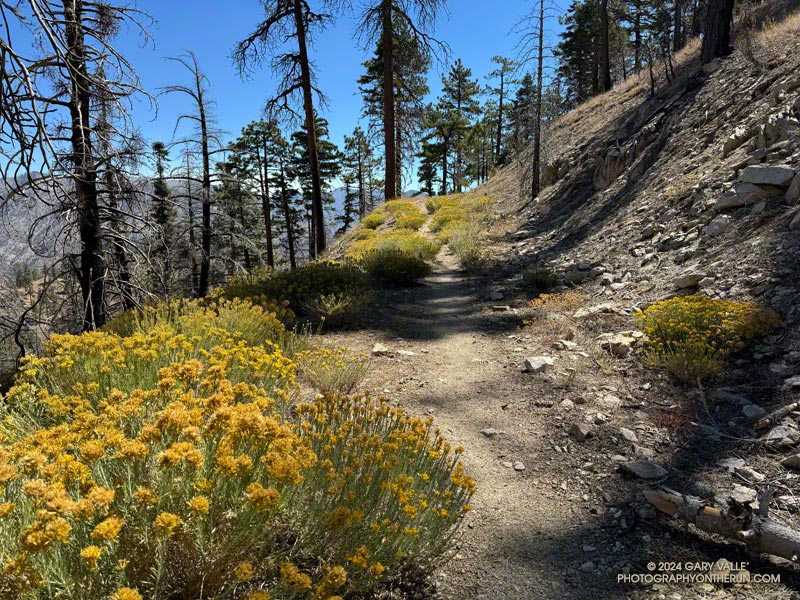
(775,416)
(738,523)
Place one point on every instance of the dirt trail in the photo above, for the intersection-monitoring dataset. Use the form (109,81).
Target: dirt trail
(452,358)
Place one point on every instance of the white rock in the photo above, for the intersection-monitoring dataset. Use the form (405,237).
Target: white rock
(628,435)
(380,350)
(719,225)
(793,193)
(519,466)
(688,280)
(538,364)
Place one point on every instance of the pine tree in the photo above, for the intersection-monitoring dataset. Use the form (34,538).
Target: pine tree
(459,101)
(503,74)
(163,215)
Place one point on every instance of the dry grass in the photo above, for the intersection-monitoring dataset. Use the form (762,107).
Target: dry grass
(775,34)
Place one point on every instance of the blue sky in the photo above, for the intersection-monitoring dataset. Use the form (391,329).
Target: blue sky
(476,30)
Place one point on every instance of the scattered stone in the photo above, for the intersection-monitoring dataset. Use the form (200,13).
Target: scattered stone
(793,383)
(712,67)
(743,494)
(753,411)
(743,194)
(642,452)
(795,222)
(628,435)
(406,353)
(565,345)
(609,402)
(606,308)
(380,350)
(781,436)
(719,225)
(740,136)
(519,466)
(731,464)
(619,344)
(688,280)
(496,296)
(567,404)
(723,395)
(580,431)
(644,470)
(491,432)
(538,364)
(778,175)
(750,474)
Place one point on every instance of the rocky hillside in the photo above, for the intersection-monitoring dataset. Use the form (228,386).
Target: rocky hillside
(695,188)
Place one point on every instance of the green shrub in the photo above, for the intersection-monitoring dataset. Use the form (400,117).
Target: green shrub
(395,266)
(691,336)
(539,279)
(338,309)
(301,286)
(465,240)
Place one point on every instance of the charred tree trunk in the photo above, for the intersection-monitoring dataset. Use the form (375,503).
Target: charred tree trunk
(537,132)
(192,239)
(498,141)
(317,213)
(266,204)
(287,215)
(205,198)
(677,27)
(91,270)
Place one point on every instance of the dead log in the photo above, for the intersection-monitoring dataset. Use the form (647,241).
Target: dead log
(739,522)
(775,416)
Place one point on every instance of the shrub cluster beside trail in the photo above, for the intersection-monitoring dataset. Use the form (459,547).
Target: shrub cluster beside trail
(692,336)
(165,457)
(460,222)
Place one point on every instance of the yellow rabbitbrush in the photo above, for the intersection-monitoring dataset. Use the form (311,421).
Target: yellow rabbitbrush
(691,336)
(165,464)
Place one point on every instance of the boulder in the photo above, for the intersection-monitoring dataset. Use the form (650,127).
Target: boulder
(795,222)
(628,435)
(380,350)
(538,364)
(779,175)
(743,194)
(619,344)
(739,136)
(688,280)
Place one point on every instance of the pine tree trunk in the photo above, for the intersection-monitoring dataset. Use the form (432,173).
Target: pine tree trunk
(266,207)
(605,60)
(91,270)
(717,30)
(537,131)
(498,142)
(192,241)
(287,215)
(677,28)
(389,125)
(317,212)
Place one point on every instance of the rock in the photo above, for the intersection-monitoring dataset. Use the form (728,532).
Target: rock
(575,277)
(743,494)
(793,383)
(753,411)
(609,402)
(793,193)
(723,395)
(719,225)
(619,344)
(565,345)
(519,466)
(706,282)
(605,308)
(628,435)
(644,470)
(688,280)
(740,136)
(795,222)
(406,353)
(496,296)
(731,464)
(567,404)
(779,175)
(580,431)
(588,567)
(538,364)
(743,194)
(491,432)
(750,474)
(792,462)
(781,436)
(641,452)
(380,350)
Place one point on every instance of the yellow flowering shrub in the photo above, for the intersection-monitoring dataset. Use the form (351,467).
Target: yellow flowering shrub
(460,221)
(404,240)
(394,267)
(691,336)
(373,220)
(332,370)
(170,463)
